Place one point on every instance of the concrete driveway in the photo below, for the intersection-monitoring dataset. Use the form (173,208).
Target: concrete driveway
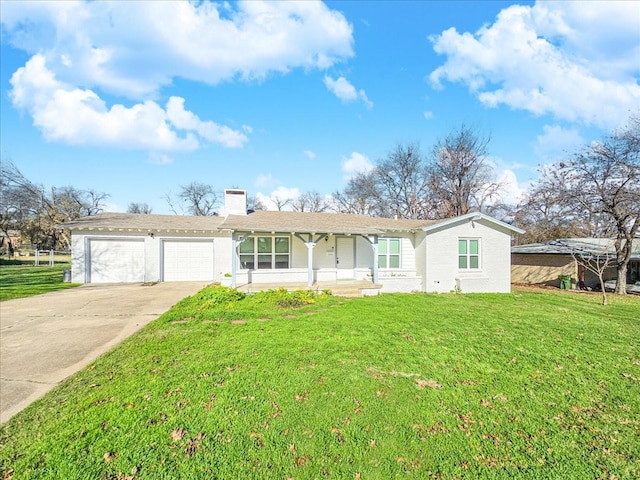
(46,338)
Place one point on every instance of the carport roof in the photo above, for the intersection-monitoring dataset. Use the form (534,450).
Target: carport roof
(305,222)
(134,222)
(565,246)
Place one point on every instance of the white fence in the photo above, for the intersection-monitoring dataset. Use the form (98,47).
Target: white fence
(46,255)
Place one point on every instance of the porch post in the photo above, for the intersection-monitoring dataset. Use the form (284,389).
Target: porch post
(234,258)
(374,245)
(310,246)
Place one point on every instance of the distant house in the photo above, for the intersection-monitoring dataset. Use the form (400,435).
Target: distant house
(11,238)
(544,263)
(470,253)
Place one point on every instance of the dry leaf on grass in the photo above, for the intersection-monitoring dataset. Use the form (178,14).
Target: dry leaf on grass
(427,383)
(194,443)
(109,456)
(300,461)
(177,434)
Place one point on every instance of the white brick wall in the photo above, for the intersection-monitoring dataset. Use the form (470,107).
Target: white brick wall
(442,259)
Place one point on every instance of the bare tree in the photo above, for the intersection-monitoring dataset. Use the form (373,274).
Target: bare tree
(139,207)
(402,181)
(310,202)
(603,180)
(197,199)
(281,202)
(397,187)
(68,203)
(254,204)
(360,196)
(461,179)
(72,203)
(17,202)
(595,259)
(404,185)
(37,212)
(544,216)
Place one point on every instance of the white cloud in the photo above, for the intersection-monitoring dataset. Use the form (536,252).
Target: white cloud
(82,52)
(345,91)
(356,163)
(309,154)
(576,61)
(280,194)
(135,48)
(556,143)
(78,116)
(185,120)
(512,191)
(428,115)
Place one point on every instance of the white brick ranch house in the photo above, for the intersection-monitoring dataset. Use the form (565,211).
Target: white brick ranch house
(471,252)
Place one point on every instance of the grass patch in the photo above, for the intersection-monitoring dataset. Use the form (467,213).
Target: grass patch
(526,385)
(17,281)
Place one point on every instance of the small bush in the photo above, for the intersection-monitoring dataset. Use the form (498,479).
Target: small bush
(219,294)
(217,302)
(211,298)
(285,299)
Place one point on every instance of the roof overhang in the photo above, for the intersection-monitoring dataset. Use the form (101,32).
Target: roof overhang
(472,217)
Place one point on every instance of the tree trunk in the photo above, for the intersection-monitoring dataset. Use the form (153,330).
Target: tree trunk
(604,290)
(621,281)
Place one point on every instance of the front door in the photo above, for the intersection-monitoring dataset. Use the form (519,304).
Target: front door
(345,257)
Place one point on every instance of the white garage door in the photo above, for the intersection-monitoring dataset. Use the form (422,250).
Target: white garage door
(186,260)
(116,260)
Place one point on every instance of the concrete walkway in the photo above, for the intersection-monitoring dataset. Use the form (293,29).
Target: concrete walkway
(46,338)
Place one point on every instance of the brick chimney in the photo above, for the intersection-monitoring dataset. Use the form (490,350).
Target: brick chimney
(235,202)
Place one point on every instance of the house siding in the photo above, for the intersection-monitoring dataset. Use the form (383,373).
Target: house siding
(429,256)
(324,254)
(421,259)
(442,273)
(540,269)
(80,254)
(545,269)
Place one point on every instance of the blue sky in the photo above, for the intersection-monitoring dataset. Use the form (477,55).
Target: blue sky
(136,99)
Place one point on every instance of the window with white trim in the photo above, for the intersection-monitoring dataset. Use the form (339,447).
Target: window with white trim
(264,253)
(468,254)
(389,253)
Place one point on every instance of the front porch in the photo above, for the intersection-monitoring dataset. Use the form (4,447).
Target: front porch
(340,288)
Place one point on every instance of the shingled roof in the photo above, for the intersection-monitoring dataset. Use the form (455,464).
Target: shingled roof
(260,221)
(135,222)
(336,223)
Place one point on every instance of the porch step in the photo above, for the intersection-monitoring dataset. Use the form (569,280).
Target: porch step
(341,288)
(354,289)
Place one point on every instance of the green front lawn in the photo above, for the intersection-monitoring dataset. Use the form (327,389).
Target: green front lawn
(17,281)
(523,385)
